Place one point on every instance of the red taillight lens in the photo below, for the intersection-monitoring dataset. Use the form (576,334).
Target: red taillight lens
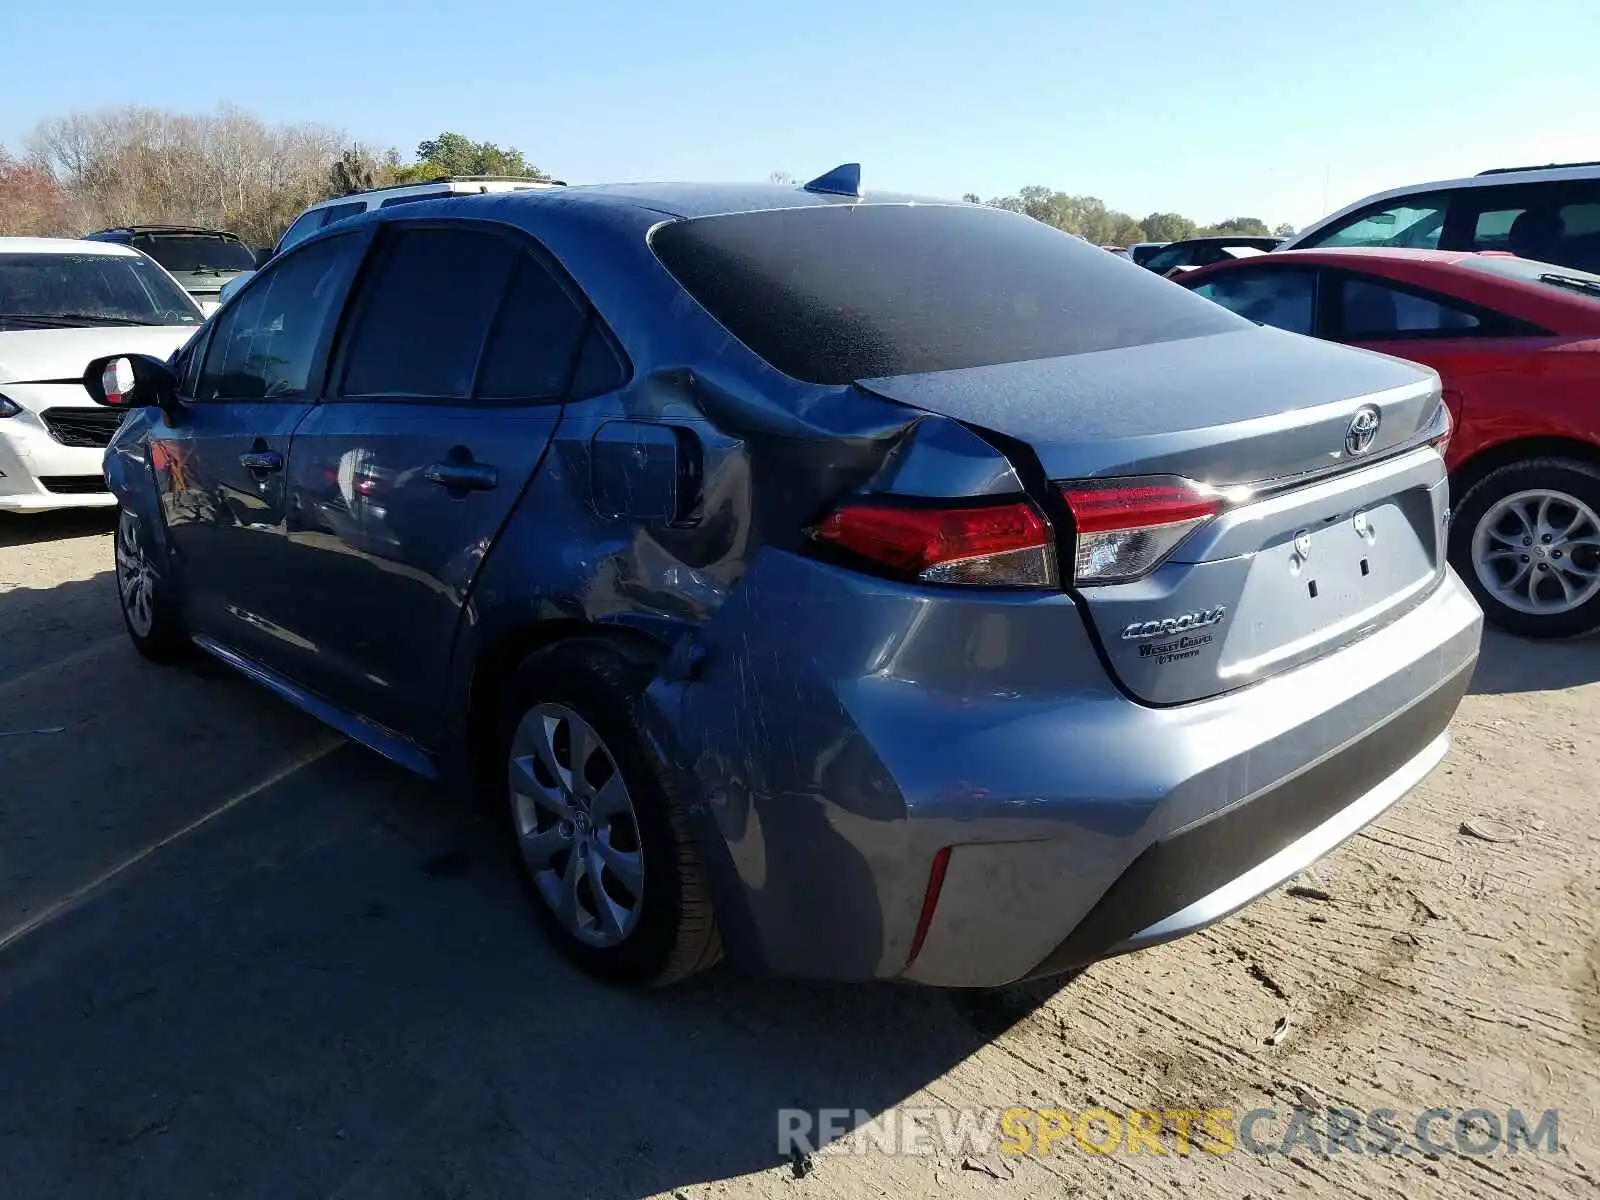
(1440,441)
(1126,527)
(930,902)
(998,545)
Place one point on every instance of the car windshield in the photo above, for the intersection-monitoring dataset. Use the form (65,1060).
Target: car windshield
(184,253)
(65,290)
(833,294)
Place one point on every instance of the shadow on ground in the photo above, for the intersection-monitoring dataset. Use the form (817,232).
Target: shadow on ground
(1511,664)
(331,985)
(47,527)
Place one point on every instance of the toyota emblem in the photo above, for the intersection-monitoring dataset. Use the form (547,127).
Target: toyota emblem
(1363,430)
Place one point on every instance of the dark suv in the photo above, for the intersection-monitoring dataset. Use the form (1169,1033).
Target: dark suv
(201,260)
(874,588)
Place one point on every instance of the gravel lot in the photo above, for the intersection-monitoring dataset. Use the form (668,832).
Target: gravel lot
(240,957)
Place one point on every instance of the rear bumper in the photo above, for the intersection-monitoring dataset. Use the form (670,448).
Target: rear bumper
(845,732)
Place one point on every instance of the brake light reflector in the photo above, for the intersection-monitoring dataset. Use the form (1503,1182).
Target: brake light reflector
(1127,527)
(996,545)
(930,901)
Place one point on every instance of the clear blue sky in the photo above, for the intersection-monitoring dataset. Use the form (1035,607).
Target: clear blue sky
(1215,109)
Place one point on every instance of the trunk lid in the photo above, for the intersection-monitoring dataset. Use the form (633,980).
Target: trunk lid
(1327,540)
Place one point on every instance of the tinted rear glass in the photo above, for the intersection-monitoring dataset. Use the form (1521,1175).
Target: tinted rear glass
(182,253)
(835,293)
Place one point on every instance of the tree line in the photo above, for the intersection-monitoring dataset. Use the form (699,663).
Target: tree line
(1090,219)
(222,170)
(230,170)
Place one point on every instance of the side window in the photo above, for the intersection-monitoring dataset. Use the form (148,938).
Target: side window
(1554,224)
(263,343)
(1415,223)
(425,312)
(304,226)
(1283,298)
(187,362)
(1373,311)
(338,212)
(1164,260)
(535,342)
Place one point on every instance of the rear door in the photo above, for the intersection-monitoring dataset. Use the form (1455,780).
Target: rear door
(453,366)
(221,461)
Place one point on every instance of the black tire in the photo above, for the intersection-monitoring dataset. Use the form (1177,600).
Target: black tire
(153,625)
(676,933)
(1562,477)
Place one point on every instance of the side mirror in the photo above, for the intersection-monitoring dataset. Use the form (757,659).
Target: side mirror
(130,381)
(263,256)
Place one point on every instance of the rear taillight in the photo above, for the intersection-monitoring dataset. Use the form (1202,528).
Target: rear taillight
(1127,527)
(994,545)
(1444,426)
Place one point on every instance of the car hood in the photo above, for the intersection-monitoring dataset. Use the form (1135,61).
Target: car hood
(37,355)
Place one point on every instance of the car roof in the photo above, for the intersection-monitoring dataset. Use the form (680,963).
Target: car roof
(135,230)
(37,245)
(688,200)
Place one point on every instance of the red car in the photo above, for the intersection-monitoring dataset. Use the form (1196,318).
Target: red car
(1517,344)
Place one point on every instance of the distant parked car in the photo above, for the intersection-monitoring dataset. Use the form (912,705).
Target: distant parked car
(203,261)
(63,302)
(1142,252)
(857,584)
(1517,344)
(1549,214)
(1177,257)
(328,212)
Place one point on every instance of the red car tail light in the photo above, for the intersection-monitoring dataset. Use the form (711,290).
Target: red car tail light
(995,545)
(1127,527)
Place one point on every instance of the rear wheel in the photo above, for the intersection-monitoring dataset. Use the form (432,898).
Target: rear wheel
(604,850)
(1526,540)
(148,609)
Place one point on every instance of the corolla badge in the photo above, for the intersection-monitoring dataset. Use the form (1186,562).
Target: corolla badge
(1363,430)
(1179,624)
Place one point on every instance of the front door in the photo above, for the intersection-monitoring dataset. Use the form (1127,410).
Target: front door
(221,458)
(454,362)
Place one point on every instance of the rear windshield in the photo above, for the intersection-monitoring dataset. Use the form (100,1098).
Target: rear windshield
(1563,279)
(835,293)
(182,253)
(43,291)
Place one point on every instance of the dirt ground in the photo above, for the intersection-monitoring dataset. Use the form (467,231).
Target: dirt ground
(241,957)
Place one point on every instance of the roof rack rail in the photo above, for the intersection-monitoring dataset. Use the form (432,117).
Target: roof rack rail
(393,187)
(1541,167)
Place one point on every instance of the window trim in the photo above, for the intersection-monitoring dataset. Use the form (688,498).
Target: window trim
(1491,323)
(317,369)
(525,245)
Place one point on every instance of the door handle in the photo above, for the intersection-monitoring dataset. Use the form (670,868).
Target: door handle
(261,461)
(462,477)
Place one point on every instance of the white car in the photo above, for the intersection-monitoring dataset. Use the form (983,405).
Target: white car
(62,303)
(341,207)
